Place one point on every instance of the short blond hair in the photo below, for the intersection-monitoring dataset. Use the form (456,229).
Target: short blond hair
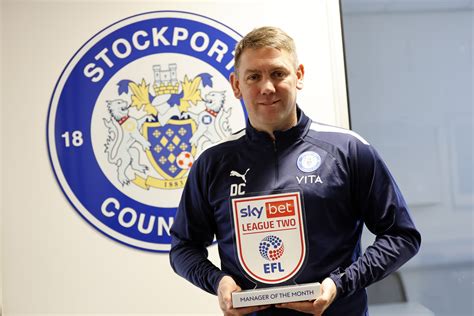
(265,36)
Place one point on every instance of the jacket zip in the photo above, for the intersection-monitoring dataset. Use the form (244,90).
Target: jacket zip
(275,151)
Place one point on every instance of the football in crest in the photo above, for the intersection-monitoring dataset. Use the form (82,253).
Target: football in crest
(185,160)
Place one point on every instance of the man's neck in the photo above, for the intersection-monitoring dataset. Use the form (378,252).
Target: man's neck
(270,130)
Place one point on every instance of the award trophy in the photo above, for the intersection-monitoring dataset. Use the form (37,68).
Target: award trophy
(271,248)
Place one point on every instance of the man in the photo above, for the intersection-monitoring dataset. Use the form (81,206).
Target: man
(279,147)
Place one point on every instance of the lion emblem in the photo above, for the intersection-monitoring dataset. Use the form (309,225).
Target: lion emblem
(213,122)
(123,133)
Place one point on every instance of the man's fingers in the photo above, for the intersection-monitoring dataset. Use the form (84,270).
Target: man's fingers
(305,307)
(250,309)
(225,300)
(228,302)
(244,310)
(320,305)
(322,300)
(226,286)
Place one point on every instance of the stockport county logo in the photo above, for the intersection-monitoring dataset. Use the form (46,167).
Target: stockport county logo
(132,110)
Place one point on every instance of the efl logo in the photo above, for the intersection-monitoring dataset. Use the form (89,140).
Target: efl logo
(272,248)
(280,208)
(132,111)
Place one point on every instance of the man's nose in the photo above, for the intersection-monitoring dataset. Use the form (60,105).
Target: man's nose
(267,87)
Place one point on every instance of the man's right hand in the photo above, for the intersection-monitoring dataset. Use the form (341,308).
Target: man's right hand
(226,286)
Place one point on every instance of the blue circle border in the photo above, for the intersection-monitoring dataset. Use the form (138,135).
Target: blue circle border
(55,91)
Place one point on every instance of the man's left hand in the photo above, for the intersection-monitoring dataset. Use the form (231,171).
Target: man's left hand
(327,294)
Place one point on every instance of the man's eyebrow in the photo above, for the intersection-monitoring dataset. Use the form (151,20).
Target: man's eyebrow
(252,71)
(279,68)
(273,68)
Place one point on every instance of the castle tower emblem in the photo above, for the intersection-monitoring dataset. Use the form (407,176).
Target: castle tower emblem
(166,80)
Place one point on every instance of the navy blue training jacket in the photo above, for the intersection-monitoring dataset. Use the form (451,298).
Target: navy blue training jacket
(354,188)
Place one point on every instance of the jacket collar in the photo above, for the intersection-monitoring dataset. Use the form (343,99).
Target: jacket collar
(281,137)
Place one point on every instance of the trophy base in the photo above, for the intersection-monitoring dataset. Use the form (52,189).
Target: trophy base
(276,295)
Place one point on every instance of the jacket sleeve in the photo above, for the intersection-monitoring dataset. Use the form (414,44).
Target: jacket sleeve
(378,200)
(192,231)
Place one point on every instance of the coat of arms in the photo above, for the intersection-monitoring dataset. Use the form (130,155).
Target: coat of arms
(169,123)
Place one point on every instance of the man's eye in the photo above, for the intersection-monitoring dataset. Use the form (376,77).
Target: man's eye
(252,77)
(279,74)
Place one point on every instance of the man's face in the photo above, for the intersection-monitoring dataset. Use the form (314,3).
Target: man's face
(267,80)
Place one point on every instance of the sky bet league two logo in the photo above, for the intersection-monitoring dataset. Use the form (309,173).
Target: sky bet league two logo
(270,236)
(132,110)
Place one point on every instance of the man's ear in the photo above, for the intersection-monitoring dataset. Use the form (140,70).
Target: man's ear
(234,81)
(300,77)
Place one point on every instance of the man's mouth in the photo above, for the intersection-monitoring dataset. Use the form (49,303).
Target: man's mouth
(268,102)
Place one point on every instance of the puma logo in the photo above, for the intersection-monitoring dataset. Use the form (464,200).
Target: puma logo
(236,174)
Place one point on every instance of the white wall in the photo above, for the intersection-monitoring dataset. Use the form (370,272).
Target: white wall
(52,260)
(410,77)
